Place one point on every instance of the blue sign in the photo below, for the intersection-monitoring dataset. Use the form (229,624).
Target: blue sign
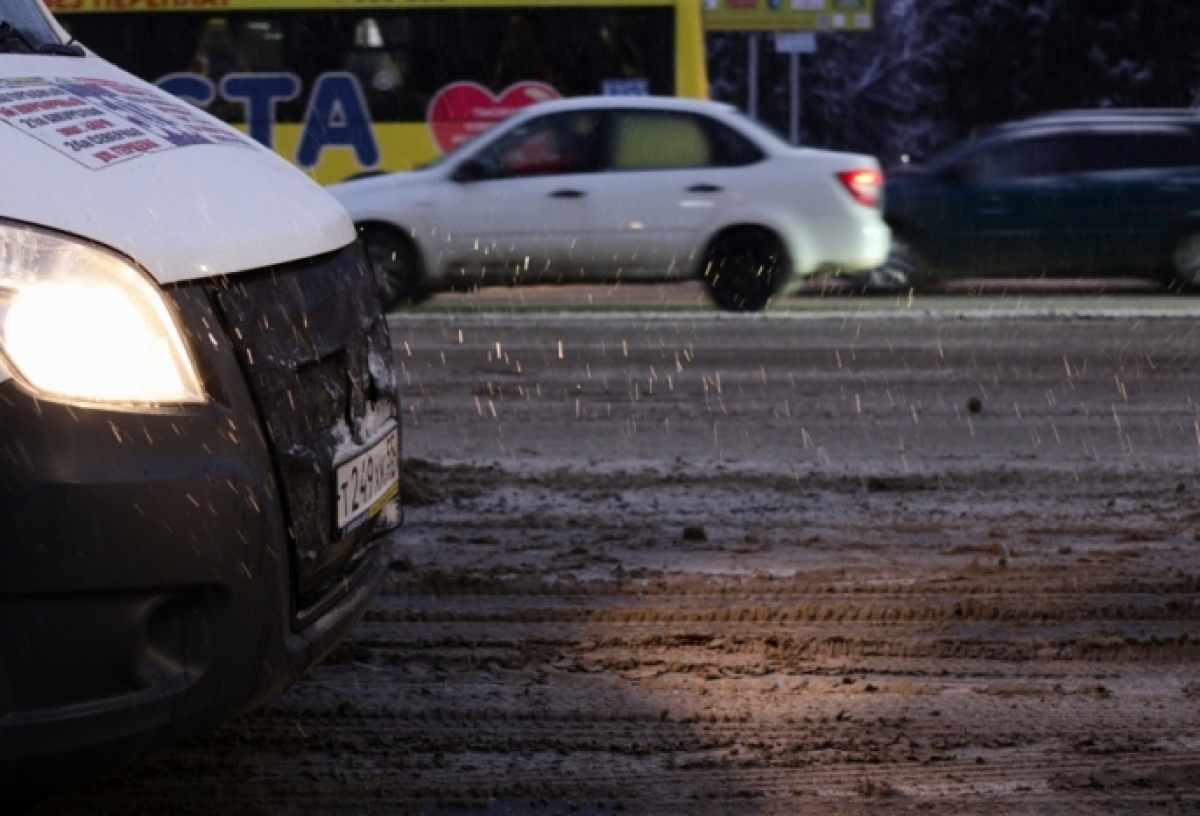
(625,87)
(337,113)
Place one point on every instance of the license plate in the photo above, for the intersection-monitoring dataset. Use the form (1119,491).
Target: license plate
(365,484)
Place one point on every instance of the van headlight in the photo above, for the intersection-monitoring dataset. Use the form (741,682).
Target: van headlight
(79,322)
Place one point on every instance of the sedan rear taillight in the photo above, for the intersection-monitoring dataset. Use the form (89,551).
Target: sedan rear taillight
(865,185)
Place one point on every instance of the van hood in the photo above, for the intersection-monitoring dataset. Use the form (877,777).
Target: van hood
(93,151)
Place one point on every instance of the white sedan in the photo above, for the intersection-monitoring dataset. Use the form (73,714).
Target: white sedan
(609,189)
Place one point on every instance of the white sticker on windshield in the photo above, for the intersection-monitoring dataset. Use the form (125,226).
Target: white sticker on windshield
(101,122)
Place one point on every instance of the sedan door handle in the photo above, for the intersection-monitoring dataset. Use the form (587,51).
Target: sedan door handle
(568,194)
(704,188)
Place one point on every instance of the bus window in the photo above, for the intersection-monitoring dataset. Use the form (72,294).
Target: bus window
(400,51)
(379,60)
(260,45)
(215,55)
(520,57)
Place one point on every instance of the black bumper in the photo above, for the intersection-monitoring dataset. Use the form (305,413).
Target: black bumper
(148,563)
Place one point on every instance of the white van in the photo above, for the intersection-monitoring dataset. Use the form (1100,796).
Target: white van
(199,434)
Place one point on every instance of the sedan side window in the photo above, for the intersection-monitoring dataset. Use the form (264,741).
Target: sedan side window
(549,145)
(657,140)
(1026,158)
(1138,151)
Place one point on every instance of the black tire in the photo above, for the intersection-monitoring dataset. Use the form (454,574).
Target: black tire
(397,265)
(1185,263)
(904,270)
(744,268)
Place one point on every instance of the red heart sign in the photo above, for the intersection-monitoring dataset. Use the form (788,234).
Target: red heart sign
(462,110)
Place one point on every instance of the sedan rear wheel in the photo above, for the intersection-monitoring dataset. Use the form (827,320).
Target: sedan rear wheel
(744,268)
(397,266)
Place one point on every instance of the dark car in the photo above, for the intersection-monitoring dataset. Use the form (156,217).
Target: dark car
(1098,193)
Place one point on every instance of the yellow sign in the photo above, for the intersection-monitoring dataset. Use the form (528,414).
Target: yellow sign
(79,6)
(789,15)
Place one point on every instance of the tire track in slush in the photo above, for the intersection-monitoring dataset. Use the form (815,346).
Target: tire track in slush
(609,698)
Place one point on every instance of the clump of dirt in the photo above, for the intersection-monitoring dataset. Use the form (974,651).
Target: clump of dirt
(415,487)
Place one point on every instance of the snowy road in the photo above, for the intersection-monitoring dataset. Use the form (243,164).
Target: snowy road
(984,297)
(687,563)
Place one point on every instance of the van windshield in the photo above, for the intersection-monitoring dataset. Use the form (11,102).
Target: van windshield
(28,18)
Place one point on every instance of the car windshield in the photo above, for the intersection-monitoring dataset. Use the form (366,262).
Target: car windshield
(28,18)
(765,131)
(452,155)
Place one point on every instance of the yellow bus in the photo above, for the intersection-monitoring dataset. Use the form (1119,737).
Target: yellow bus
(342,87)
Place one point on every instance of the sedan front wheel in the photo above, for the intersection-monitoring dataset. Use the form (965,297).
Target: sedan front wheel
(397,266)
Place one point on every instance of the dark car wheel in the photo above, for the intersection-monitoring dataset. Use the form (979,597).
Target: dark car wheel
(744,268)
(905,269)
(1185,267)
(397,265)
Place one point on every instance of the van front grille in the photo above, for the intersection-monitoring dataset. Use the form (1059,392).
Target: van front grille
(313,343)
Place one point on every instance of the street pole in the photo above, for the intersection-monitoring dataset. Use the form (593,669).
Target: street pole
(794,44)
(794,100)
(752,75)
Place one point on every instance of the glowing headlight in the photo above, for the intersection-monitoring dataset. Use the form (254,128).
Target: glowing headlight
(79,322)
